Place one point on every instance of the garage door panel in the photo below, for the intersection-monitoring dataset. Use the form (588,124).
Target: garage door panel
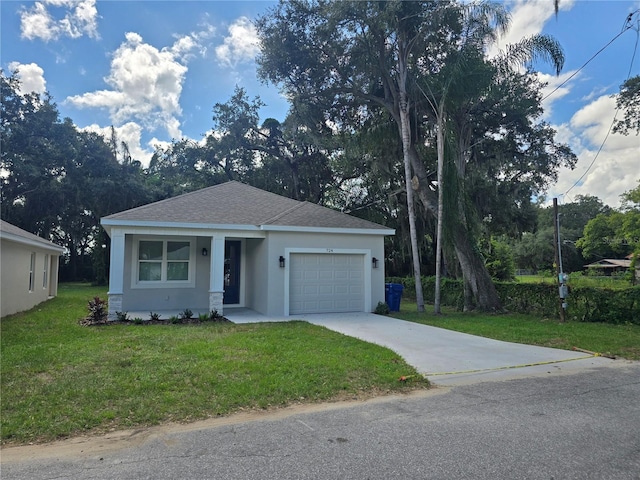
(326,283)
(309,290)
(326,275)
(310,275)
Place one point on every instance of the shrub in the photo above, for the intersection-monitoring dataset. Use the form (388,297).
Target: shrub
(97,311)
(154,317)
(586,304)
(174,319)
(382,309)
(499,263)
(187,314)
(122,316)
(203,317)
(138,321)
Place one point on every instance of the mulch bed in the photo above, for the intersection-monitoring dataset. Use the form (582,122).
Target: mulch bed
(87,322)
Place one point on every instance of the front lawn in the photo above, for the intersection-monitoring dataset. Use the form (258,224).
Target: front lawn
(61,379)
(618,340)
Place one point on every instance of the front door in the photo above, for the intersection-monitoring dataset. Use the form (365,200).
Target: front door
(231,272)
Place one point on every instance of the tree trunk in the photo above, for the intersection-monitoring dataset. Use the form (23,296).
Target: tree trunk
(405,133)
(440,145)
(474,272)
(468,296)
(472,264)
(295,178)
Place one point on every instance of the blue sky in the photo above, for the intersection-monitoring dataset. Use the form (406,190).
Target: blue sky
(154,70)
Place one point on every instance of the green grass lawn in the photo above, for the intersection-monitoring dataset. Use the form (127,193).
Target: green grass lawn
(577,279)
(619,340)
(60,379)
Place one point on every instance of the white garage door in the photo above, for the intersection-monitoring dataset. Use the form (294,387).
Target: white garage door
(325,283)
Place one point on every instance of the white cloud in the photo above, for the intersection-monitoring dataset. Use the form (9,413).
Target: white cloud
(31,77)
(616,168)
(184,46)
(528,17)
(242,44)
(146,84)
(555,89)
(79,18)
(131,134)
(38,23)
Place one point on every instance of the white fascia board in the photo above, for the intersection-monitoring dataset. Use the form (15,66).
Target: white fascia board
(253,231)
(350,231)
(181,228)
(32,242)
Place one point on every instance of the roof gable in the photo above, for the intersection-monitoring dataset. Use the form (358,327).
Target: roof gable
(235,203)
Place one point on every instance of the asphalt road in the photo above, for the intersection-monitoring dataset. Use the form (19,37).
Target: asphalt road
(582,425)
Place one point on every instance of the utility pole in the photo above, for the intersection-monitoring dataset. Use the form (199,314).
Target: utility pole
(560,275)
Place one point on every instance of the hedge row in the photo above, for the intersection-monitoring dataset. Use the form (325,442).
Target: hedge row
(585,304)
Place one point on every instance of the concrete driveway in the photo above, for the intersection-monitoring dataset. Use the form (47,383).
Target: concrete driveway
(444,356)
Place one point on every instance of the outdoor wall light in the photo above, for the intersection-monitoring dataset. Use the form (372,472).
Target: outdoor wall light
(374,261)
(281,260)
(205,252)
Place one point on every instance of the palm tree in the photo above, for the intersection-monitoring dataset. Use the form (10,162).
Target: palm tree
(482,23)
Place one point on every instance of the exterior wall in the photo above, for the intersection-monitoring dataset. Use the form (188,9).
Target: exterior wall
(285,242)
(195,298)
(15,264)
(257,275)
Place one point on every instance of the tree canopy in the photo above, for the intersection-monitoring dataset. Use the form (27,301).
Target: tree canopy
(412,62)
(389,100)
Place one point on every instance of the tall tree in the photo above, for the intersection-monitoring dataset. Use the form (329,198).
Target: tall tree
(58,181)
(346,57)
(351,55)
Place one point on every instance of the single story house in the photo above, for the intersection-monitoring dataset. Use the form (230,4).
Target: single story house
(609,266)
(233,245)
(29,269)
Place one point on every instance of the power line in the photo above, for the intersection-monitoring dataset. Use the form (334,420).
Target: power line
(627,25)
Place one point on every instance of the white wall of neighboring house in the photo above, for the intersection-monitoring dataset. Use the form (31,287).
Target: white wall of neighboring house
(28,275)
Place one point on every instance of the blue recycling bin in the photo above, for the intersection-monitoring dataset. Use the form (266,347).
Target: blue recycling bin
(393,295)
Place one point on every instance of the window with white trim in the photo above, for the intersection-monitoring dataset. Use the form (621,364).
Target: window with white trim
(167,261)
(45,273)
(32,271)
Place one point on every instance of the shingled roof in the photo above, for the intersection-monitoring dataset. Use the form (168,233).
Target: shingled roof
(235,203)
(11,232)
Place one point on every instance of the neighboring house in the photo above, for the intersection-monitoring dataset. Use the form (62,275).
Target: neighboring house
(609,266)
(29,269)
(233,245)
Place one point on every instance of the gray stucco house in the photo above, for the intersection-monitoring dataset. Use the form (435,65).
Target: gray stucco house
(233,245)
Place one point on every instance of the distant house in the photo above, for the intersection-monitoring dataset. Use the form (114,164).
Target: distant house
(233,245)
(29,269)
(608,266)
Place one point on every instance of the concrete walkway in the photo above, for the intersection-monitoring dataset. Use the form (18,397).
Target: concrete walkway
(444,356)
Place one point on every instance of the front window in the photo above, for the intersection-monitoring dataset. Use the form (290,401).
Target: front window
(150,257)
(178,260)
(160,261)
